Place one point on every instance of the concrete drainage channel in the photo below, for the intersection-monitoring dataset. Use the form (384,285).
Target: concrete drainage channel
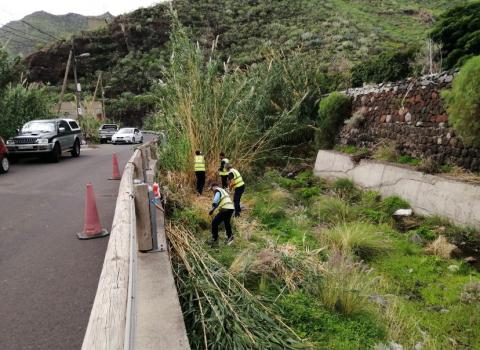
(136,305)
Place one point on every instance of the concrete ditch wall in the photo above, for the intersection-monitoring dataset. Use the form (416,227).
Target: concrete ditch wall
(427,194)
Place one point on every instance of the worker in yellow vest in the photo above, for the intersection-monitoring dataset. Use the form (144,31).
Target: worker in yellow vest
(224,206)
(236,183)
(199,167)
(222,171)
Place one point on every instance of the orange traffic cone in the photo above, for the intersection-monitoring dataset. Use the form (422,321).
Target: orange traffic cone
(115,172)
(92,228)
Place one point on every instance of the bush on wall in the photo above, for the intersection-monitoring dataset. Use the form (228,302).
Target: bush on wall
(463,102)
(388,66)
(332,112)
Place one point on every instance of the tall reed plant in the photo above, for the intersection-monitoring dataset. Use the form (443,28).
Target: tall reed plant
(204,104)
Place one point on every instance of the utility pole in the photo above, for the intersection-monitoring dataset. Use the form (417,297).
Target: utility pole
(65,79)
(103,100)
(78,88)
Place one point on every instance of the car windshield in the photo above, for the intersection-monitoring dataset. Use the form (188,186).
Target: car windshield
(126,131)
(109,127)
(39,127)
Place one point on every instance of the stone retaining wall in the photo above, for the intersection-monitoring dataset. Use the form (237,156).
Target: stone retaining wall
(411,114)
(427,194)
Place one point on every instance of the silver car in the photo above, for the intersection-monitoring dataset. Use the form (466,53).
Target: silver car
(49,137)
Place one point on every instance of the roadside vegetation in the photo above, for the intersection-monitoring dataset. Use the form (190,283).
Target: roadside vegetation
(19,101)
(333,263)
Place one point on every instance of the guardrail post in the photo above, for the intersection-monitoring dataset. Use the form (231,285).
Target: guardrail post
(143,219)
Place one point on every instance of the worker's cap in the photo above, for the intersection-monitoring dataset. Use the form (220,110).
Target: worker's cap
(229,166)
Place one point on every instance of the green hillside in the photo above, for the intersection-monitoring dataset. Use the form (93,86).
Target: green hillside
(335,32)
(21,38)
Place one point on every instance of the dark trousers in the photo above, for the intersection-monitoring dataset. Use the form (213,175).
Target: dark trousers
(224,216)
(200,181)
(224,180)
(236,199)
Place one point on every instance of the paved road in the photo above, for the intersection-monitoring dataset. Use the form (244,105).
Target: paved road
(48,278)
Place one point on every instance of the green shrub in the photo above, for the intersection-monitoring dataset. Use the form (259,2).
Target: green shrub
(363,239)
(462,102)
(329,329)
(388,66)
(332,210)
(90,126)
(346,189)
(20,104)
(332,112)
(458,31)
(409,160)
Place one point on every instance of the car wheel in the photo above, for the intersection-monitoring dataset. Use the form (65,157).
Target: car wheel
(76,149)
(56,153)
(141,140)
(133,140)
(4,165)
(103,141)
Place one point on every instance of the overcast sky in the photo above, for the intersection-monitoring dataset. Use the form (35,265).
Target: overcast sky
(16,9)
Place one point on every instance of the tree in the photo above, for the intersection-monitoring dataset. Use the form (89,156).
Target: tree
(388,66)
(463,102)
(458,31)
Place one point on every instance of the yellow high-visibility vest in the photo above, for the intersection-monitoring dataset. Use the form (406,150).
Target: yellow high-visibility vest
(199,163)
(224,172)
(225,200)
(237,178)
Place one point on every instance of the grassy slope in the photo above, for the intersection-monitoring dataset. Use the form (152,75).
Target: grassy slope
(333,31)
(422,293)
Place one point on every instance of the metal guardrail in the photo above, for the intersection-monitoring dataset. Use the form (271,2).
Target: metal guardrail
(113,317)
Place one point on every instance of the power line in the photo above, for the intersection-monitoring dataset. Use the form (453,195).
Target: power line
(23,32)
(21,36)
(40,30)
(14,41)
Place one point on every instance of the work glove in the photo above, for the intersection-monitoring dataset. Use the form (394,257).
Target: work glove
(211,211)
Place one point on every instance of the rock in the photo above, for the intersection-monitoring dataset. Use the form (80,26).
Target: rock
(377,299)
(388,119)
(470,260)
(417,239)
(403,212)
(394,346)
(418,346)
(419,124)
(408,117)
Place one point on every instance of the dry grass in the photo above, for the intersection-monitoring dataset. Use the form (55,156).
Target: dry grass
(347,285)
(461,174)
(285,263)
(221,312)
(442,248)
(386,151)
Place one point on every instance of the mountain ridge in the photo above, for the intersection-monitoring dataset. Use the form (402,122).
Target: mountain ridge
(37,30)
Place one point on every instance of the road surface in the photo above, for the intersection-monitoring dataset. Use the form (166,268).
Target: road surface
(48,278)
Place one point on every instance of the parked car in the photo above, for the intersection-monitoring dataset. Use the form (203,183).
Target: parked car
(106,132)
(127,135)
(49,137)
(4,163)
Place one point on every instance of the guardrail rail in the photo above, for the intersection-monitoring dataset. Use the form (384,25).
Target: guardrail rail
(136,305)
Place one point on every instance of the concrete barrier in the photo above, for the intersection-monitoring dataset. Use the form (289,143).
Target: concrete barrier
(427,194)
(136,305)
